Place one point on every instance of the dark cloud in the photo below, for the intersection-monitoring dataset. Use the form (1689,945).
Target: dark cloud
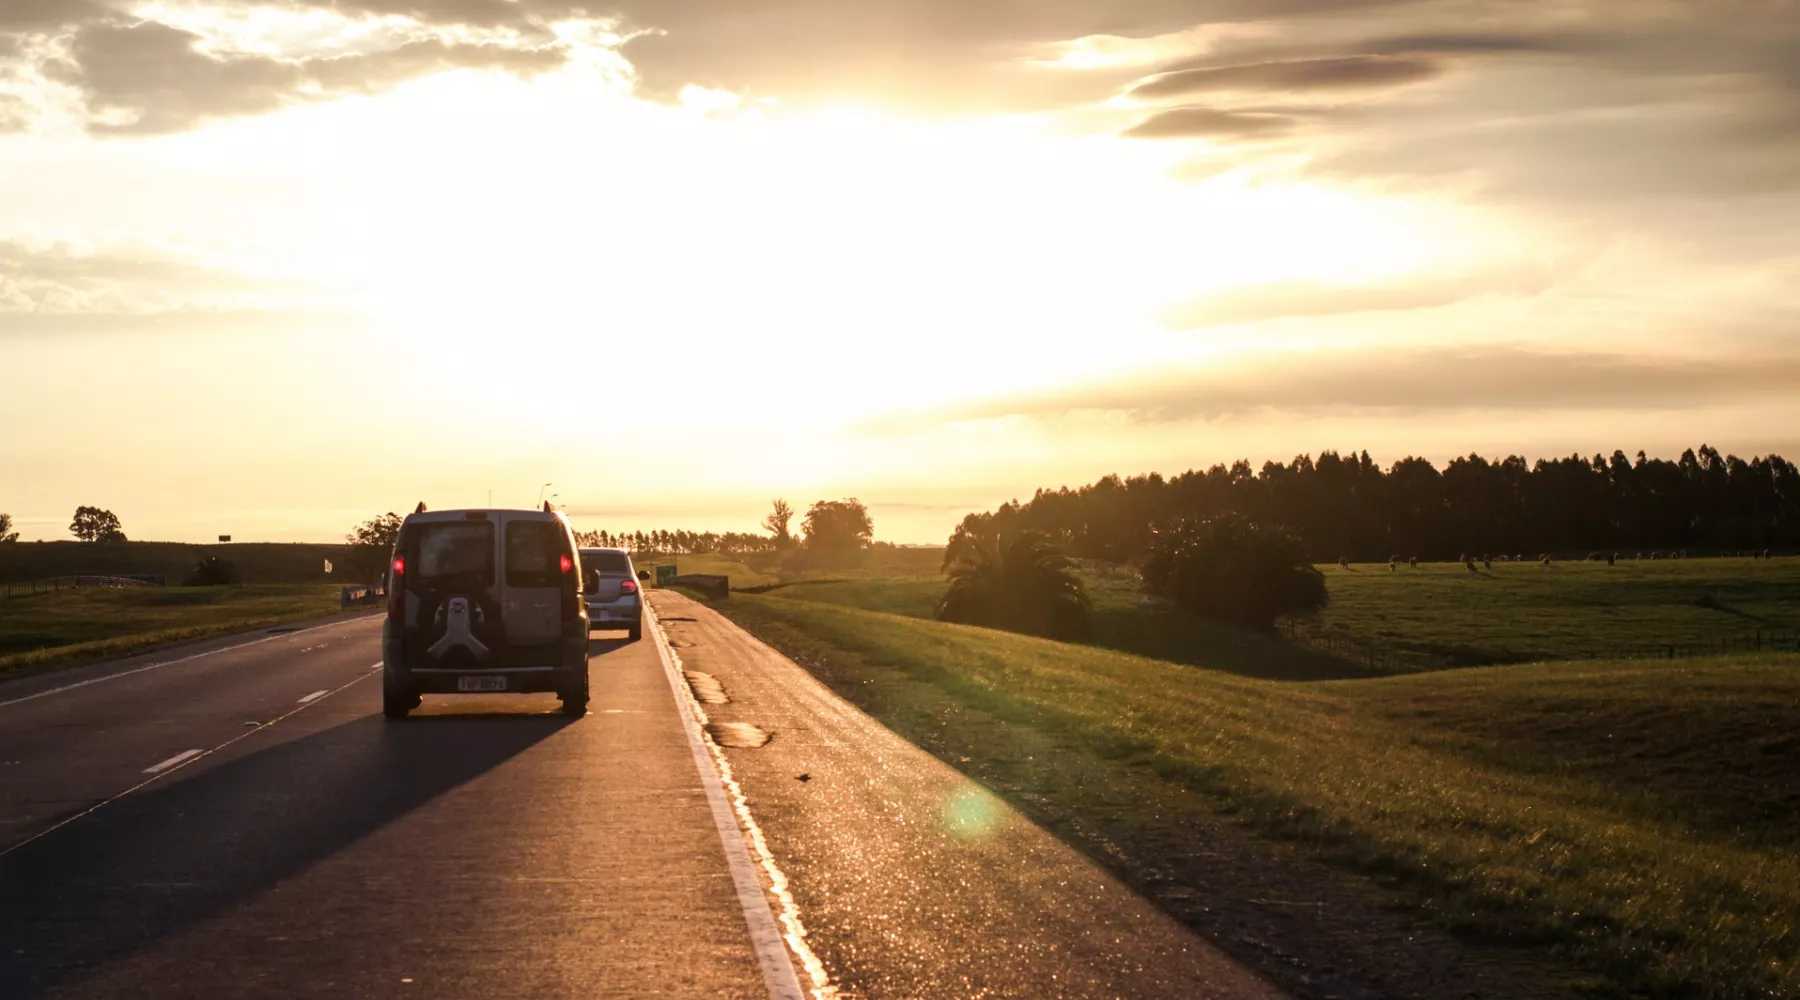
(153,72)
(156,78)
(1197,122)
(1410,380)
(1341,73)
(38,15)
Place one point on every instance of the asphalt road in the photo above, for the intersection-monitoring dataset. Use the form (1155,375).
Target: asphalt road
(236,819)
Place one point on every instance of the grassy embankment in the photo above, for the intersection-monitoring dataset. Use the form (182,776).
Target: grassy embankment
(257,562)
(42,631)
(1639,818)
(1435,615)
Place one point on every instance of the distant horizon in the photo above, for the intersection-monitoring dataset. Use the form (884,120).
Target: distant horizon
(747,518)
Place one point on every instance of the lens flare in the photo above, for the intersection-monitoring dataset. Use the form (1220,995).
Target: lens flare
(971,813)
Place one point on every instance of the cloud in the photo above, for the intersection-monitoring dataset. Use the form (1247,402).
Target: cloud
(149,77)
(1195,122)
(24,15)
(58,280)
(1346,72)
(1289,299)
(1483,379)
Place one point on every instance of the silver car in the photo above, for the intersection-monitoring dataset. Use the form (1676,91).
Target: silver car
(614,599)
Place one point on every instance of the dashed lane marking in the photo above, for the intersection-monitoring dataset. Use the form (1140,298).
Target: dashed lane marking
(184,755)
(181,761)
(167,663)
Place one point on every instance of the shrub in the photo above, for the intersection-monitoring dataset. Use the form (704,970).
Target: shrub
(1234,570)
(211,571)
(1017,580)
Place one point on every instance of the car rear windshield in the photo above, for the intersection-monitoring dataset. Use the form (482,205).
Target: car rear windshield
(606,562)
(453,550)
(532,548)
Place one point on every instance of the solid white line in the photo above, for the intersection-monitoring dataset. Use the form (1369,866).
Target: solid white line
(168,663)
(246,734)
(322,692)
(172,761)
(765,936)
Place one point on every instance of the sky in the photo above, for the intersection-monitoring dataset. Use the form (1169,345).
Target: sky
(267,269)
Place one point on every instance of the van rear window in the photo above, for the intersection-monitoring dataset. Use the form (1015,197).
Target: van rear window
(532,548)
(459,550)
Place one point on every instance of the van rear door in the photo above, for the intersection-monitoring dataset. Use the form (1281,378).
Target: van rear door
(531,595)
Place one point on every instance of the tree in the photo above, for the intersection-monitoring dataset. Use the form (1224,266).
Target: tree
(1234,570)
(92,524)
(371,543)
(838,526)
(6,532)
(777,523)
(1017,580)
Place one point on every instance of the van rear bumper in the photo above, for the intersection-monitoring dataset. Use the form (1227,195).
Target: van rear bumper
(528,678)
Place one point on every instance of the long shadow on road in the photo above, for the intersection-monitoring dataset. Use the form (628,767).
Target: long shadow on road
(155,862)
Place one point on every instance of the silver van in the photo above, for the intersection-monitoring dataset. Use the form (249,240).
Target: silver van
(482,602)
(614,599)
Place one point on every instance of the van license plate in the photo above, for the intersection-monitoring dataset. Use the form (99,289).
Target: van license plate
(481,683)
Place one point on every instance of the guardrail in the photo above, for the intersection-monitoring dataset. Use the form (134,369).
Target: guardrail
(356,595)
(54,584)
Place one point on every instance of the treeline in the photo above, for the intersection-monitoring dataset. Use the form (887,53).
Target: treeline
(1346,506)
(731,543)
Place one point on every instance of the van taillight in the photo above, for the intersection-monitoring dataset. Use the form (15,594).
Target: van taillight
(571,588)
(627,586)
(396,595)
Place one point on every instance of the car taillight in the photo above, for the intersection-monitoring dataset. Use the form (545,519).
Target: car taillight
(567,564)
(396,595)
(628,586)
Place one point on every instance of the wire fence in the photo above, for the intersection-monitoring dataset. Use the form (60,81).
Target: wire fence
(1382,658)
(55,584)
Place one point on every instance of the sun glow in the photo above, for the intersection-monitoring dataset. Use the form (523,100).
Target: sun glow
(878,261)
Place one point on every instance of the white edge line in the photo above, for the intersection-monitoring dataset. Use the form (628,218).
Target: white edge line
(172,761)
(322,692)
(246,734)
(765,936)
(170,663)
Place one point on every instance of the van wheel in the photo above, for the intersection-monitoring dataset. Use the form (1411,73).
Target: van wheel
(575,701)
(636,633)
(395,706)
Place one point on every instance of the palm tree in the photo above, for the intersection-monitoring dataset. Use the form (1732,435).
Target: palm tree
(1018,580)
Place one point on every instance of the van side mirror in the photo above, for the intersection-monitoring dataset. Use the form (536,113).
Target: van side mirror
(643,574)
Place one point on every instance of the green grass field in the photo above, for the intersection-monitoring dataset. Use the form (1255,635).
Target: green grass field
(1441,615)
(76,626)
(1638,819)
(1435,616)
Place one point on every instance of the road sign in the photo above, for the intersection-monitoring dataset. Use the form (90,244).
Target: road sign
(664,574)
(328,566)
